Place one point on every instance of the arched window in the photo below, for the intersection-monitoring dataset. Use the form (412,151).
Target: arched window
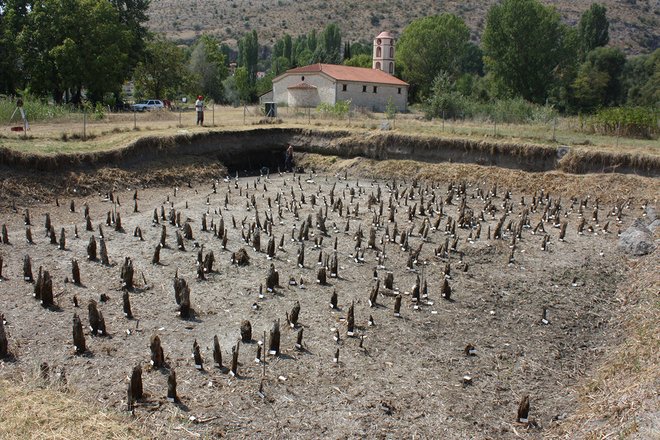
(391,52)
(378,65)
(392,68)
(378,41)
(378,53)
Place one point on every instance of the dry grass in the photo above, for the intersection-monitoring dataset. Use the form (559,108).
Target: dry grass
(632,23)
(621,399)
(607,187)
(30,411)
(117,130)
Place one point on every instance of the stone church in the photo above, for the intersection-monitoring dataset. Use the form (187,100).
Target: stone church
(372,89)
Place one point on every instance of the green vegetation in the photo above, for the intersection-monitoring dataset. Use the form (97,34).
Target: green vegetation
(529,66)
(339,110)
(431,45)
(527,48)
(637,122)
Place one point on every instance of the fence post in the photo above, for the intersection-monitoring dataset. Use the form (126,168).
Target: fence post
(554,130)
(443,120)
(618,133)
(180,125)
(134,120)
(84,124)
(213,114)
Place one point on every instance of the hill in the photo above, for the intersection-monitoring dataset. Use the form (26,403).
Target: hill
(634,24)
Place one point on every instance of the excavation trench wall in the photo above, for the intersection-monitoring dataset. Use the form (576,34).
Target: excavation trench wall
(253,149)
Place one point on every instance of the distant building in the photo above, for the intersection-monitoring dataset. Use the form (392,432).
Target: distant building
(309,86)
(383,55)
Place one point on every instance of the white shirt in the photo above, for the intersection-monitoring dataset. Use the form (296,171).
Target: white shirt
(199,105)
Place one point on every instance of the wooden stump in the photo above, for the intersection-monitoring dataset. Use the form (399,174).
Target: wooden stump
(389,281)
(217,353)
(446,289)
(397,306)
(4,344)
(94,317)
(127,273)
(242,258)
(27,269)
(234,360)
(179,242)
(75,272)
(350,320)
(246,331)
(295,312)
(5,235)
(46,290)
(91,249)
(187,231)
(299,338)
(171,387)
(136,391)
(321,276)
(156,258)
(272,279)
(523,410)
(78,335)
(197,356)
(28,235)
(274,340)
(127,305)
(104,253)
(157,356)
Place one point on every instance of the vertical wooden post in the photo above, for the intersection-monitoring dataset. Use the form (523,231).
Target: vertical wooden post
(84,124)
(134,120)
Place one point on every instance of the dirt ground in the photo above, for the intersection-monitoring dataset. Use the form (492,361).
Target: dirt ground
(408,377)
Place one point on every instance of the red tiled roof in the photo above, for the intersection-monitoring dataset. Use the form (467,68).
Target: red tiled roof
(302,86)
(348,73)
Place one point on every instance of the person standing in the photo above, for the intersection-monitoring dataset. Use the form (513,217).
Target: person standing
(288,159)
(199,108)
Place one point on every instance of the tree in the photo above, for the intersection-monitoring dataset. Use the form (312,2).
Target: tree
(13,16)
(526,47)
(162,73)
(208,65)
(71,45)
(641,80)
(431,45)
(248,55)
(361,60)
(593,30)
(329,47)
(243,86)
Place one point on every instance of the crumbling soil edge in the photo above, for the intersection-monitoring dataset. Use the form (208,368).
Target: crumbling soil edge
(265,147)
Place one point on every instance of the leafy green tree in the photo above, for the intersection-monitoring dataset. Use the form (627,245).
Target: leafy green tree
(641,80)
(208,65)
(248,55)
(329,47)
(361,60)
(526,47)
(243,86)
(431,45)
(589,88)
(280,65)
(162,73)
(71,45)
(593,29)
(13,16)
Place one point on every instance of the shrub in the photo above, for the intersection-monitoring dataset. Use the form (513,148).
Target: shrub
(638,122)
(339,110)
